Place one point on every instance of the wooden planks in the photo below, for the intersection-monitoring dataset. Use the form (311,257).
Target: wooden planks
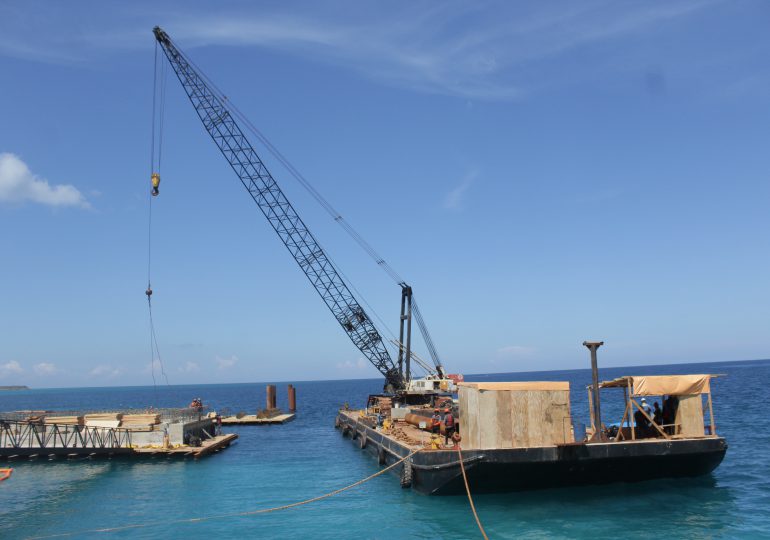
(64,420)
(251,419)
(689,416)
(527,416)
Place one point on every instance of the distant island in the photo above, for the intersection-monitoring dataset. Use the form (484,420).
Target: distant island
(14,387)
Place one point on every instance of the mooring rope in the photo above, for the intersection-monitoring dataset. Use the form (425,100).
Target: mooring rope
(234,514)
(468,491)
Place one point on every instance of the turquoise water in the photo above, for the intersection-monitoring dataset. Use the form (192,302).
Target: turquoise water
(271,466)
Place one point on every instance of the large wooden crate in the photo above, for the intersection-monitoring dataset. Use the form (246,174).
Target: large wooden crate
(515,414)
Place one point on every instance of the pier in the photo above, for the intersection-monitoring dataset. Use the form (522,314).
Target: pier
(171,432)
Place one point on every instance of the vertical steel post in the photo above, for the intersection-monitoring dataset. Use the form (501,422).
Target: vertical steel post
(597,412)
(270,401)
(401,332)
(409,335)
(292,398)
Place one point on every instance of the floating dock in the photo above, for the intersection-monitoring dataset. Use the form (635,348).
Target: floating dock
(208,446)
(254,420)
(172,432)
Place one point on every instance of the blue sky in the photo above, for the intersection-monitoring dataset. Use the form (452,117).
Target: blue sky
(541,173)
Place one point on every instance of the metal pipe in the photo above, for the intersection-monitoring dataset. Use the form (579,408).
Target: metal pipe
(292,399)
(597,412)
(270,395)
(409,336)
(401,334)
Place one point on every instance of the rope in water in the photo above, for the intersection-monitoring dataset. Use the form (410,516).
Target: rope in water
(468,491)
(234,514)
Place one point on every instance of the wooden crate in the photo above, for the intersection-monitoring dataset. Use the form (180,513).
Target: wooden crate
(515,414)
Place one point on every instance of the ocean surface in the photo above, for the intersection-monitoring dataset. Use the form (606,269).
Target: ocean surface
(277,465)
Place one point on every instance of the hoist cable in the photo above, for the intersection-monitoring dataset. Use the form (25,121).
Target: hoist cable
(327,206)
(323,202)
(154,349)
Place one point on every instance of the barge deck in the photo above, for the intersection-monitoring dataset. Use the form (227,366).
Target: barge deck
(438,472)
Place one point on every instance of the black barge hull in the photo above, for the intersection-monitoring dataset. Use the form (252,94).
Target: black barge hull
(437,472)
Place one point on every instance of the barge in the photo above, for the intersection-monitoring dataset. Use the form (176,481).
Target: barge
(521,436)
(53,435)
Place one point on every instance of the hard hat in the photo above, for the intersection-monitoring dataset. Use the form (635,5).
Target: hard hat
(446,410)
(644,400)
(435,410)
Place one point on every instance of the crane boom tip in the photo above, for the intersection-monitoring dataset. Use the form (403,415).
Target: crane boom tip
(160,35)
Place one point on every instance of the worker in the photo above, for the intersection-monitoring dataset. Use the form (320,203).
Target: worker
(658,414)
(155,184)
(449,425)
(435,422)
(646,407)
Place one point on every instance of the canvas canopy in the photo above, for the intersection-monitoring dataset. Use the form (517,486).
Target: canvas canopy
(658,385)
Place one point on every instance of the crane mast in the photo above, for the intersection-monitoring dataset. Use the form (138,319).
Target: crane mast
(270,199)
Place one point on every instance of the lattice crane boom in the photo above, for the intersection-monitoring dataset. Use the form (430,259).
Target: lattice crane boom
(270,199)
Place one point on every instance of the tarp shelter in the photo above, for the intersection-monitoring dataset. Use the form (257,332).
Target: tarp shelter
(662,385)
(687,389)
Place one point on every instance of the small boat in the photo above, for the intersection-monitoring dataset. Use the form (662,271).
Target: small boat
(5,474)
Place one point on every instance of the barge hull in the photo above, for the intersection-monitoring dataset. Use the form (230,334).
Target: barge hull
(437,472)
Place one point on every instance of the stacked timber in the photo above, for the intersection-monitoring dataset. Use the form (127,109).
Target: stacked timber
(64,420)
(140,422)
(106,420)
(515,414)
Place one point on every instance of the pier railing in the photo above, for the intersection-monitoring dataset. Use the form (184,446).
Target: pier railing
(30,435)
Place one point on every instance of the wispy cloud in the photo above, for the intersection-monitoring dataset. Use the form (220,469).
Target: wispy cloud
(455,48)
(349,365)
(189,367)
(106,371)
(18,184)
(46,369)
(11,367)
(226,363)
(454,199)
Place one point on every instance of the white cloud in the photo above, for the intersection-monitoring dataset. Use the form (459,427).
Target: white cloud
(190,367)
(454,199)
(18,184)
(226,363)
(515,351)
(348,365)
(11,368)
(45,369)
(105,371)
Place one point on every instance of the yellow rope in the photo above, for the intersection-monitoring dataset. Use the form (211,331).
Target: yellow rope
(468,491)
(236,514)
